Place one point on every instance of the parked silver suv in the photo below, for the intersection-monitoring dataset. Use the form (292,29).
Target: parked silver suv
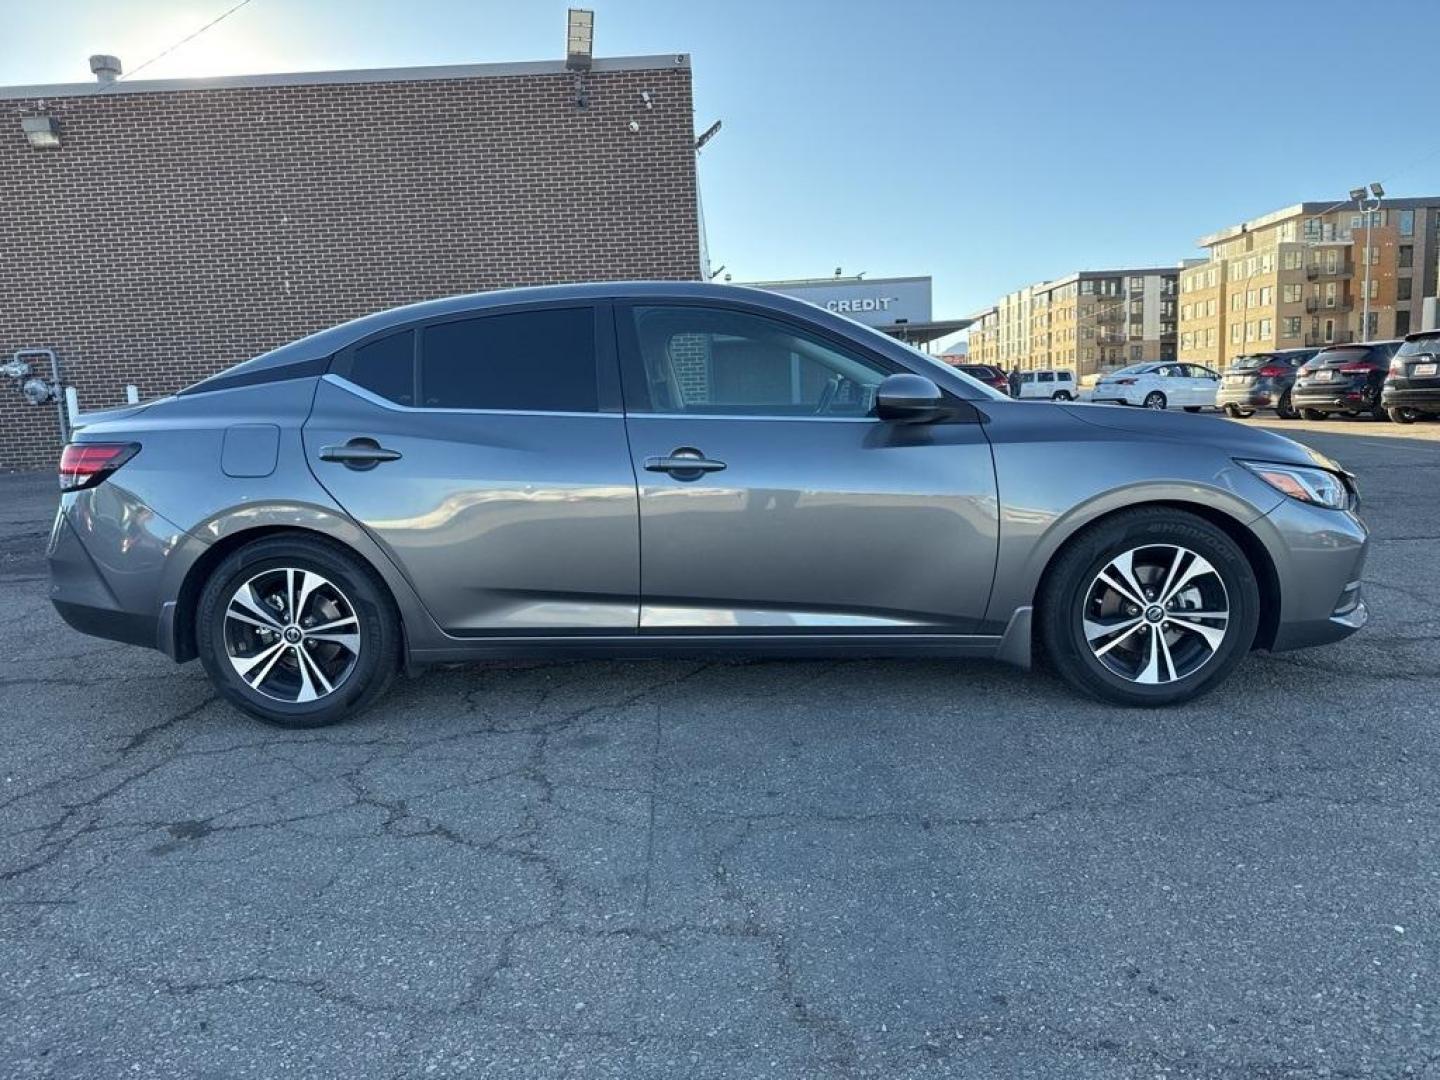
(679,468)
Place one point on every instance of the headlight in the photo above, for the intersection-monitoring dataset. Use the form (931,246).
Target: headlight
(1315,486)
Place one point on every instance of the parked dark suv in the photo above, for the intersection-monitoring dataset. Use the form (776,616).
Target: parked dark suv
(1344,379)
(1412,389)
(1262,380)
(988,374)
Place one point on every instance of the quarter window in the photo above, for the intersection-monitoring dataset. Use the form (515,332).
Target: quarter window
(528,361)
(721,362)
(387,367)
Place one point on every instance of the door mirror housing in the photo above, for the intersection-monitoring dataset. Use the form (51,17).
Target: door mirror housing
(908,399)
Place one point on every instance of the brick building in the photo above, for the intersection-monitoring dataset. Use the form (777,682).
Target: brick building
(183,225)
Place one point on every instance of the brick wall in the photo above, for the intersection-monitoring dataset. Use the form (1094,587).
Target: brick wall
(177,232)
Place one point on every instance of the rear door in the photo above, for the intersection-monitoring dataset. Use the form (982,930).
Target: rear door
(771,498)
(487,454)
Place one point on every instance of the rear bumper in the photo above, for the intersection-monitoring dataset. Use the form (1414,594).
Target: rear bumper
(108,556)
(1260,395)
(1346,397)
(1424,400)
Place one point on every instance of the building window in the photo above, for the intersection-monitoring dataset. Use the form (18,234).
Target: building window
(1402,288)
(1332,261)
(1266,329)
(1252,298)
(1267,296)
(1407,255)
(1235,331)
(1293,260)
(1267,262)
(1374,288)
(1372,325)
(1137,352)
(1237,301)
(1185,312)
(1290,294)
(1402,323)
(1290,326)
(1330,294)
(1210,337)
(1407,222)
(1137,284)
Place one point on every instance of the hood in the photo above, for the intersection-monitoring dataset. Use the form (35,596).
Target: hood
(1238,440)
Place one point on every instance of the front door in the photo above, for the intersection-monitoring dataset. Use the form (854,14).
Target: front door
(487,455)
(771,499)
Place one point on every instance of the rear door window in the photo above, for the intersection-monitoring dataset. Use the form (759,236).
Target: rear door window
(526,361)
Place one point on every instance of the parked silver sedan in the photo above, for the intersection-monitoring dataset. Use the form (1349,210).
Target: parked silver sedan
(660,469)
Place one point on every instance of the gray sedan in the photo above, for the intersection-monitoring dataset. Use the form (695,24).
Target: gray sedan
(646,469)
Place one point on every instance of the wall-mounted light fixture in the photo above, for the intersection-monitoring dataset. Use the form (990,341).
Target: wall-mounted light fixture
(579,39)
(42,132)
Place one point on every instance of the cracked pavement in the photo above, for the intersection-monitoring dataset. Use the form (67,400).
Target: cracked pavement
(646,869)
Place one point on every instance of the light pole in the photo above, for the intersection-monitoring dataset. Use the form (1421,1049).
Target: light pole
(1367,206)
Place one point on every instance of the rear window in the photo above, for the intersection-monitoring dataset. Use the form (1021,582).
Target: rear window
(1247,363)
(534,361)
(1427,346)
(980,371)
(1340,357)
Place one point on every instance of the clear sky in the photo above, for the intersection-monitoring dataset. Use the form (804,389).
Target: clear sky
(988,145)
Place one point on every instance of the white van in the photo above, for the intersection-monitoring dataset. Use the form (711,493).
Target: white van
(1054,385)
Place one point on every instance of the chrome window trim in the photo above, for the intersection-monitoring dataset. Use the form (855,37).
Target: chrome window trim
(753,416)
(385,403)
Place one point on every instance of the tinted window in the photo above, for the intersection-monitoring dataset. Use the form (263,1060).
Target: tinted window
(529,360)
(387,367)
(1421,346)
(1047,376)
(711,360)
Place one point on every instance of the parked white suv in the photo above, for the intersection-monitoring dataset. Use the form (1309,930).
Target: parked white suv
(1164,385)
(1056,385)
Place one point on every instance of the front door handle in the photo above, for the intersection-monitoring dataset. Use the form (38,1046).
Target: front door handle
(360,454)
(684,463)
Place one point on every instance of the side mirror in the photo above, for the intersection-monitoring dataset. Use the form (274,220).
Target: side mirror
(908,399)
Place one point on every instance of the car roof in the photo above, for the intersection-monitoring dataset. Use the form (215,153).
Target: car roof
(324,343)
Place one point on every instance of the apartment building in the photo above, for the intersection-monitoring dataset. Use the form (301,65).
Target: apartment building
(1297,277)
(1088,321)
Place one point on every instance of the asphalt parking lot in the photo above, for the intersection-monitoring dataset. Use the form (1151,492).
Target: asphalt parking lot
(643,869)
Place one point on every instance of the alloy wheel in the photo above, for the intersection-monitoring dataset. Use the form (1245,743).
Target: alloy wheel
(291,635)
(1156,614)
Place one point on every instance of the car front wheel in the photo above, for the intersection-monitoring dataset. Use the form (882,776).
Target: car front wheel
(297,631)
(1148,608)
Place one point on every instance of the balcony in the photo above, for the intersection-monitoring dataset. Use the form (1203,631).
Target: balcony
(1340,337)
(1106,337)
(1113,314)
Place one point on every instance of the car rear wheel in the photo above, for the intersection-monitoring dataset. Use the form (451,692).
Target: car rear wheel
(1314,414)
(1193,408)
(1237,413)
(1404,416)
(297,631)
(1060,395)
(1284,409)
(1154,400)
(1148,608)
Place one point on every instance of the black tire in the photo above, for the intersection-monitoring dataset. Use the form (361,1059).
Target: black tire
(1061,605)
(1154,400)
(378,654)
(1284,409)
(1403,416)
(1379,412)
(1193,408)
(1060,395)
(1237,413)
(1314,414)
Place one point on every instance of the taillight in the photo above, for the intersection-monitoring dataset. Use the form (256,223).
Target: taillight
(84,465)
(1358,369)
(1273,371)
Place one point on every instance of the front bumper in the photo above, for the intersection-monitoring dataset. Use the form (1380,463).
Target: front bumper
(1320,564)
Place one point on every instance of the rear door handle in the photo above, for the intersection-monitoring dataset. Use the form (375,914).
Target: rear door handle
(684,463)
(359,454)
